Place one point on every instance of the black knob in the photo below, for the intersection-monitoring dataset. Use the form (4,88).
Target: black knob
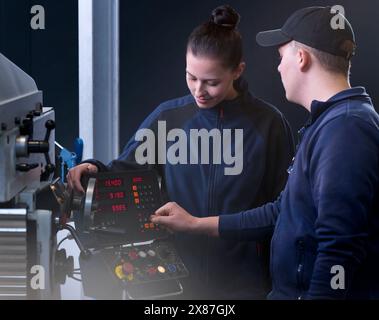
(30,115)
(26,128)
(50,125)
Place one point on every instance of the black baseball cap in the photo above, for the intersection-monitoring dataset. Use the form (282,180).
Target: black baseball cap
(315,27)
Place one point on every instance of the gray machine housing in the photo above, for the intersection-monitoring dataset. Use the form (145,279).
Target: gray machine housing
(19,100)
(19,97)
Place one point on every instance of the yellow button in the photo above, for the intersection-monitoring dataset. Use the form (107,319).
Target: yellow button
(161,269)
(130,277)
(119,273)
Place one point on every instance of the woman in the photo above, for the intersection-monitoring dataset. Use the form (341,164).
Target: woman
(219,100)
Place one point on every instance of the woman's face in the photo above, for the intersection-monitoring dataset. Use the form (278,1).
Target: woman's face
(209,81)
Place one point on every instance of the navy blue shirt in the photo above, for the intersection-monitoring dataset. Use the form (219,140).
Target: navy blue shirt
(328,214)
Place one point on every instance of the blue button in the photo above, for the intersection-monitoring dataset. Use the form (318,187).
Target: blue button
(171,268)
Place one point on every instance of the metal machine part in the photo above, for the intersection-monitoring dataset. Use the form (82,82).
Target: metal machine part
(27,158)
(27,250)
(24,153)
(88,213)
(13,263)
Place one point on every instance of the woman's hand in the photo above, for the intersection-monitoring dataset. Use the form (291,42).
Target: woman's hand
(75,174)
(175,218)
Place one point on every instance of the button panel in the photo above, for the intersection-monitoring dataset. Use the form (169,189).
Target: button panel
(147,263)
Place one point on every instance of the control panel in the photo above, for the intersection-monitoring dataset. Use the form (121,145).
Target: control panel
(147,263)
(121,204)
(130,255)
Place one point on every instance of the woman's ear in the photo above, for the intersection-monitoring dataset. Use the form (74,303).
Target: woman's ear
(239,70)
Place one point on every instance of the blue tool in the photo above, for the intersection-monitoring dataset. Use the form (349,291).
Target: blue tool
(70,159)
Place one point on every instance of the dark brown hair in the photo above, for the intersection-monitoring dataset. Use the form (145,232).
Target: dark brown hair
(218,38)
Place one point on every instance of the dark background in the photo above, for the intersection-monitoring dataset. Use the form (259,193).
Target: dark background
(50,56)
(153,46)
(153,42)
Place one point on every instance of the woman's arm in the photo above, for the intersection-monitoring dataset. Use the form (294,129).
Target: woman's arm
(252,224)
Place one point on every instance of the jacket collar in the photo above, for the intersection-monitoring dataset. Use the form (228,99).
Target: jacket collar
(319,107)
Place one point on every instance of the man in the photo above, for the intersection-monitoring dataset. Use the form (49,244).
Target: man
(325,243)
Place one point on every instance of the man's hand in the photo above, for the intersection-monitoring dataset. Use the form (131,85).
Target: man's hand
(175,218)
(75,174)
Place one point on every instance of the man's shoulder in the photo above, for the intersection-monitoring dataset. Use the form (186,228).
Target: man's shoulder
(352,109)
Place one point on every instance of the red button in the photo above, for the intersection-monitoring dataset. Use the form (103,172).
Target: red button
(133,255)
(127,267)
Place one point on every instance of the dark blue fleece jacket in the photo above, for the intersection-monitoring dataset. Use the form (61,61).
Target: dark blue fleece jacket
(223,268)
(327,217)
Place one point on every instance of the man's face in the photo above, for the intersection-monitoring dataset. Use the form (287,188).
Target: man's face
(208,80)
(288,70)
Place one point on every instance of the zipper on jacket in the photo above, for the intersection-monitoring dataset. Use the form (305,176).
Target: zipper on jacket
(211,195)
(221,113)
(212,175)
(300,135)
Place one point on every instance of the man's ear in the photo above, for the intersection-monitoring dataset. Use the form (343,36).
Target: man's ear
(239,70)
(303,59)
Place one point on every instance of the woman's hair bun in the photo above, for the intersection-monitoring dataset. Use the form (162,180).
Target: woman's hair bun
(225,16)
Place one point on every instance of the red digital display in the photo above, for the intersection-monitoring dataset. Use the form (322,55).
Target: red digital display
(137,179)
(113,208)
(111,183)
(110,195)
(118,208)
